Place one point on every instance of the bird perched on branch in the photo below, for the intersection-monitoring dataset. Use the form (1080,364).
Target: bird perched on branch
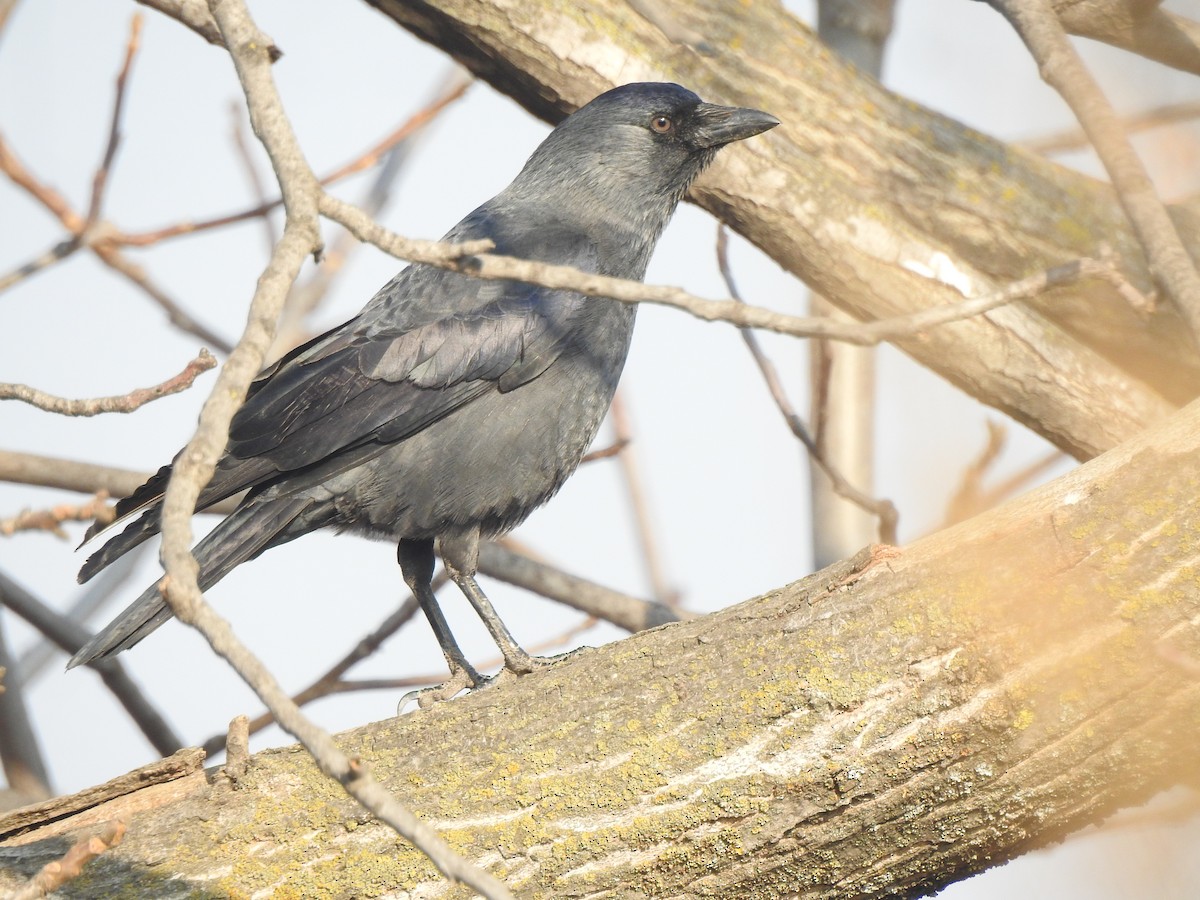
(451,407)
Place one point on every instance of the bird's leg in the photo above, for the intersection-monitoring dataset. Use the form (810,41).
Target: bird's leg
(416,563)
(460,553)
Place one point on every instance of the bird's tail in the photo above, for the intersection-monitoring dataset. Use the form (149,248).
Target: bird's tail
(244,534)
(144,527)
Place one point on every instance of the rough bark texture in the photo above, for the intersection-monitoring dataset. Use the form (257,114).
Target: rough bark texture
(864,732)
(881,206)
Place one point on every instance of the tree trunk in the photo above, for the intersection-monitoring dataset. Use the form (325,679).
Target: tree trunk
(883,727)
(879,205)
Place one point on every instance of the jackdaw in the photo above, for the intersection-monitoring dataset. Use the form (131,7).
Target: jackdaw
(451,407)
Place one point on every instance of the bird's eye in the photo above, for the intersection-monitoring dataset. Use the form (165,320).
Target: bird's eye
(661,124)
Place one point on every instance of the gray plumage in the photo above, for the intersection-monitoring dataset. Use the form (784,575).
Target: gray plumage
(451,407)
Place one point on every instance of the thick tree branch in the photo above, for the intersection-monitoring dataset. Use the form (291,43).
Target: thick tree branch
(869,731)
(882,207)
(1062,68)
(1138,26)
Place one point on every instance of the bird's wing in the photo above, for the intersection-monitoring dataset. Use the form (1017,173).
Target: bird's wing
(385,381)
(430,341)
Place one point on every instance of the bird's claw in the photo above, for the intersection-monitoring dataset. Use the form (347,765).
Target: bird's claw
(460,680)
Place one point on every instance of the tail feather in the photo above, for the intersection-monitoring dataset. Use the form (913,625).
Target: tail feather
(244,534)
(231,477)
(149,493)
(146,526)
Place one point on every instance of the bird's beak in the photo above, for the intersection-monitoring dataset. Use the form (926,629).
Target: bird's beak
(716,125)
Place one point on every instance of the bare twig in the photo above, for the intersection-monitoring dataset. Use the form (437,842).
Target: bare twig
(613,449)
(70,636)
(301,236)
(481,264)
(238,132)
(55,874)
(884,509)
(20,751)
(1071,139)
(1139,26)
(452,91)
(501,560)
(6,8)
(967,500)
(410,127)
(1061,67)
(57,253)
(96,509)
(972,497)
(643,520)
(176,314)
(328,682)
(68,474)
(195,15)
(95,238)
(92,597)
(122,403)
(100,179)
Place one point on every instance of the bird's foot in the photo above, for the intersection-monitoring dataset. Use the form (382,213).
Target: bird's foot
(461,679)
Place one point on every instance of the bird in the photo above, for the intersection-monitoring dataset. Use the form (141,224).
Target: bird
(451,407)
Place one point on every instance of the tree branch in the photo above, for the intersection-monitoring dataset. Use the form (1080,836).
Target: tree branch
(884,214)
(869,731)
(122,403)
(70,636)
(1063,70)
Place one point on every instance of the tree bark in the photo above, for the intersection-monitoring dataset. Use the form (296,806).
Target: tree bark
(883,727)
(879,205)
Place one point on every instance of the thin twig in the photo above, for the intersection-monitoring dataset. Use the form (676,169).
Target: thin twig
(304,299)
(238,133)
(410,127)
(635,486)
(519,567)
(1062,69)
(57,873)
(613,449)
(121,403)
(21,755)
(884,509)
(100,179)
(967,500)
(57,253)
(1019,480)
(96,239)
(176,314)
(327,682)
(195,15)
(481,264)
(92,597)
(97,509)
(70,637)
(1076,138)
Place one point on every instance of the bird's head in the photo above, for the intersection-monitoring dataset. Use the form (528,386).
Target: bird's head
(632,152)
